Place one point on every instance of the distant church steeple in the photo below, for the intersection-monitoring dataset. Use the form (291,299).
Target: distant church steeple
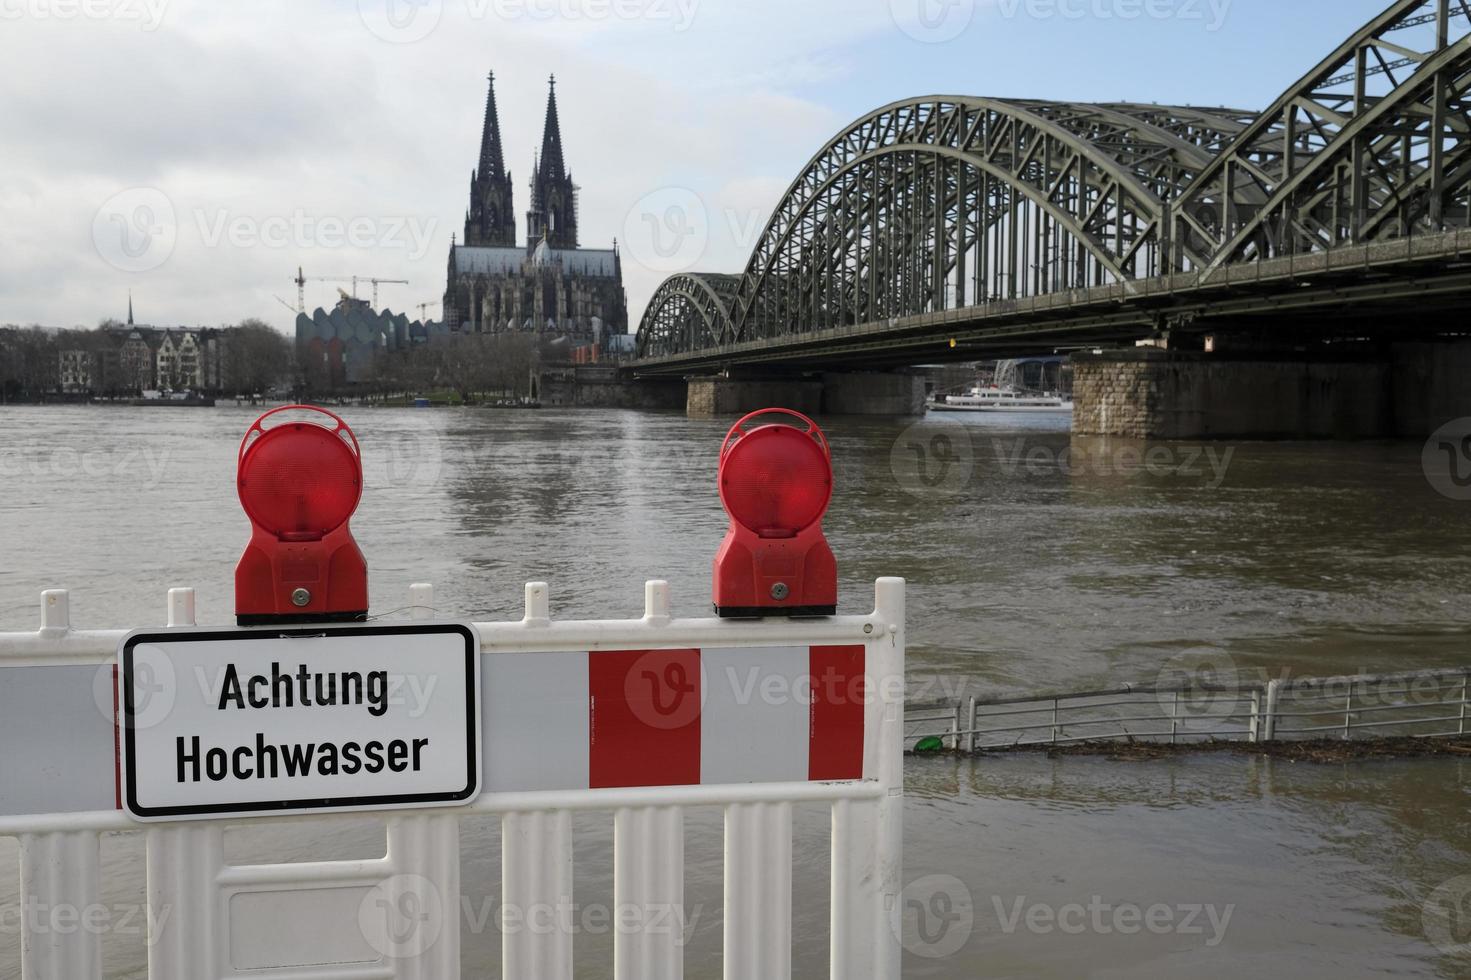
(130,307)
(553,213)
(491,218)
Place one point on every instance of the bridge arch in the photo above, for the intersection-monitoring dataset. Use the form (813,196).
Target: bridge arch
(690,311)
(1390,169)
(934,203)
(923,203)
(927,206)
(1233,212)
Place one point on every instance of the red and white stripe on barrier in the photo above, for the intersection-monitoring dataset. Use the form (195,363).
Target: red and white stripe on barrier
(551,720)
(673,717)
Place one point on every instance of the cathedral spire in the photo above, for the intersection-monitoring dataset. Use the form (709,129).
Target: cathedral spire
(553,213)
(551,165)
(130,307)
(492,163)
(491,220)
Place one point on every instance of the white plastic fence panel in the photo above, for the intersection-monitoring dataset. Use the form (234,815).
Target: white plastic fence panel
(648,876)
(60,871)
(396,917)
(536,895)
(758,891)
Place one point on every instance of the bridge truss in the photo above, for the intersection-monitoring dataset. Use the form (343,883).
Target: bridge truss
(953,203)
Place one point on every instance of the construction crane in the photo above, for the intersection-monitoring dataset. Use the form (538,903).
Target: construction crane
(301,281)
(375,282)
(424,308)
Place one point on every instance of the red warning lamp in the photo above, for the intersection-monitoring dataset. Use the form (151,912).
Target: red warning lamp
(299,482)
(776,481)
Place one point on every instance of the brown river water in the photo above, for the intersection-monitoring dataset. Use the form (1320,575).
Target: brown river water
(1035,562)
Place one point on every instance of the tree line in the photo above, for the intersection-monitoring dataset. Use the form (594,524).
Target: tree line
(473,367)
(252,358)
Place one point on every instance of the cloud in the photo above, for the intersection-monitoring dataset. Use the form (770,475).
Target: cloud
(264,123)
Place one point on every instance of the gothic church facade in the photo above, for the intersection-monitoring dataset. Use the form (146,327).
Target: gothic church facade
(549,285)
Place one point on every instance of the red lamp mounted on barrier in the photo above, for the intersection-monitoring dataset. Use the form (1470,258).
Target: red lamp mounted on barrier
(776,481)
(299,482)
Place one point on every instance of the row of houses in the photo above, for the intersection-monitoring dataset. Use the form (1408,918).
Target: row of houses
(135,358)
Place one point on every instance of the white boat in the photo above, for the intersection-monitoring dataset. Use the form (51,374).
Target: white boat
(995,399)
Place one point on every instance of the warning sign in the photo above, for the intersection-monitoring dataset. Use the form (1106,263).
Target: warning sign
(231,722)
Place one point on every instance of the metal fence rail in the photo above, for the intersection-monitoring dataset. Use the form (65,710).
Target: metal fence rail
(1421,704)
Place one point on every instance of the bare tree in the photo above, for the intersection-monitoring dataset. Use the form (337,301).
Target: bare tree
(29,368)
(256,357)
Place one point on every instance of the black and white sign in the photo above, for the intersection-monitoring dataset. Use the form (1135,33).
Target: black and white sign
(230,722)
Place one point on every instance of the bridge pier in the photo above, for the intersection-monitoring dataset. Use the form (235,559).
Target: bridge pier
(873,393)
(863,393)
(710,398)
(1390,390)
(605,386)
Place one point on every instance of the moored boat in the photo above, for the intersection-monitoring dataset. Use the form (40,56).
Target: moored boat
(994,399)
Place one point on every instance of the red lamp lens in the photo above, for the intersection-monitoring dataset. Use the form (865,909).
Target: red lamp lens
(300,481)
(776,481)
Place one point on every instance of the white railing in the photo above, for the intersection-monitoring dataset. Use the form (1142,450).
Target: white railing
(397,916)
(1419,704)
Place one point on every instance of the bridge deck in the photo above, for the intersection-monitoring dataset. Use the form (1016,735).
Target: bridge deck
(1375,279)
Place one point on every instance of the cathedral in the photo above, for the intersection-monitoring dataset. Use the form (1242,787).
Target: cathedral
(550,285)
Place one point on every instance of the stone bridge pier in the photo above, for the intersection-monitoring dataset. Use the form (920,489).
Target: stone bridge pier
(852,393)
(1389,390)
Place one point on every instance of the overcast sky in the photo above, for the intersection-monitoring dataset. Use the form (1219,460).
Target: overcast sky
(198,151)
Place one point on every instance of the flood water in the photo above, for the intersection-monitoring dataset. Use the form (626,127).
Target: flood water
(1036,562)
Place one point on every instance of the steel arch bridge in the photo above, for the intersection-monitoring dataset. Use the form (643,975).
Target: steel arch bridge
(933,214)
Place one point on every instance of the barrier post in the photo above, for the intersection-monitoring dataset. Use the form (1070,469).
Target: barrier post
(182,863)
(1274,688)
(868,834)
(1461,729)
(536,867)
(60,870)
(430,843)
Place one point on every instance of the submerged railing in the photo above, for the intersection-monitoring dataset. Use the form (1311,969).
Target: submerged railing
(1418,704)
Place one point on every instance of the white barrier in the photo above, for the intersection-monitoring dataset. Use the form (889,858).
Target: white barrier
(762,740)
